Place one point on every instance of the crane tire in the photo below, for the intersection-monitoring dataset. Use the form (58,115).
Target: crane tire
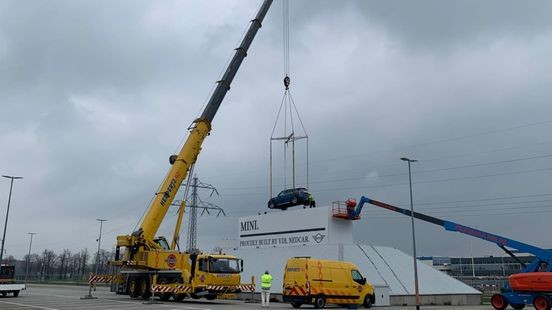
(145,288)
(133,287)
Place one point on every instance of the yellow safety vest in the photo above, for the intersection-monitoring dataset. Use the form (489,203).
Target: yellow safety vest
(266,279)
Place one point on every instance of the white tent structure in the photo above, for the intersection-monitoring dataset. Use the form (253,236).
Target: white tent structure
(266,241)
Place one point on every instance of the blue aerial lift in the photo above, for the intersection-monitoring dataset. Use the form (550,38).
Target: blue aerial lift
(533,285)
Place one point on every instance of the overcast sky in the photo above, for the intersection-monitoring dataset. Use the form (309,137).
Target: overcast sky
(95,95)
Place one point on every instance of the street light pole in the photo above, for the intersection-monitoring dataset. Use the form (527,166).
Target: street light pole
(7,214)
(99,242)
(416,288)
(29,256)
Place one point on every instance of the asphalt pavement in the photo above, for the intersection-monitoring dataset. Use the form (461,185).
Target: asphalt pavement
(65,297)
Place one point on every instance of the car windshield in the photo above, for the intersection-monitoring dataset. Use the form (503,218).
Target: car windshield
(224,265)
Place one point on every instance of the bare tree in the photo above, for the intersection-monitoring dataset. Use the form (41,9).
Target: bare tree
(48,263)
(104,259)
(74,265)
(64,259)
(84,256)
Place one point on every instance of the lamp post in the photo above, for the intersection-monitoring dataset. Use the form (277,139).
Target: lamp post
(416,288)
(29,256)
(99,242)
(7,214)
(472,260)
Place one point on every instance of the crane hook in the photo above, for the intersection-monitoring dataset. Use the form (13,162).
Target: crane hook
(287,81)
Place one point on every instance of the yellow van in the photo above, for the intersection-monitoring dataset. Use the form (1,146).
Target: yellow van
(320,281)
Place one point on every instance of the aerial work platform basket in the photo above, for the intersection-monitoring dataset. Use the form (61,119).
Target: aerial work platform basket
(345,210)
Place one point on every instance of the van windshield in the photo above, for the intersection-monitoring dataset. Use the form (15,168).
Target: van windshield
(357,277)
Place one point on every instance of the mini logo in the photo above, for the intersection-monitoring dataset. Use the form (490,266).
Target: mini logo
(318,237)
(171,260)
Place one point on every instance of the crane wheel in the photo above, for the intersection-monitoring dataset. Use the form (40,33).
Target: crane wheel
(133,287)
(541,302)
(179,297)
(164,296)
(499,302)
(145,289)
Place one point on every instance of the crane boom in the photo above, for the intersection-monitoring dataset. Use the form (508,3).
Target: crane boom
(200,129)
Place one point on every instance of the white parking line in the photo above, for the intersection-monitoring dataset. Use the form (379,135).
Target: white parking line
(29,306)
(175,307)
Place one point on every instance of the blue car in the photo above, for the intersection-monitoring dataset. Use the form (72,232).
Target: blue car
(289,198)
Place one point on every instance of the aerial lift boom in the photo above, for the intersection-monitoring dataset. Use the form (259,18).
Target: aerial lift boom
(528,287)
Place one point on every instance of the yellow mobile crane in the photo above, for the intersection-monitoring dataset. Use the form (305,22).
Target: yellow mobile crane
(148,265)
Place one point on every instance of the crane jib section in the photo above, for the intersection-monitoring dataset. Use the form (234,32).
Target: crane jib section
(191,148)
(163,199)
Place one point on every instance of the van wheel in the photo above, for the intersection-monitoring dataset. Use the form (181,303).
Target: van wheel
(320,302)
(367,301)
(296,304)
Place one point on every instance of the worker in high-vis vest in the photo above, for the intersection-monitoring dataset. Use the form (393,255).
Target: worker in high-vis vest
(266,281)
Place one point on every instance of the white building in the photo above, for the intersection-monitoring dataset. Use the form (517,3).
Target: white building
(266,241)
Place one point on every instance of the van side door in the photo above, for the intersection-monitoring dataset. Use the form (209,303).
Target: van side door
(358,282)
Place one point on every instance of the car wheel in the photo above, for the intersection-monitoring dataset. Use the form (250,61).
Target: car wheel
(367,301)
(271,204)
(284,208)
(319,302)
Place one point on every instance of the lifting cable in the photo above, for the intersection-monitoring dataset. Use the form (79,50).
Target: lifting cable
(289,109)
